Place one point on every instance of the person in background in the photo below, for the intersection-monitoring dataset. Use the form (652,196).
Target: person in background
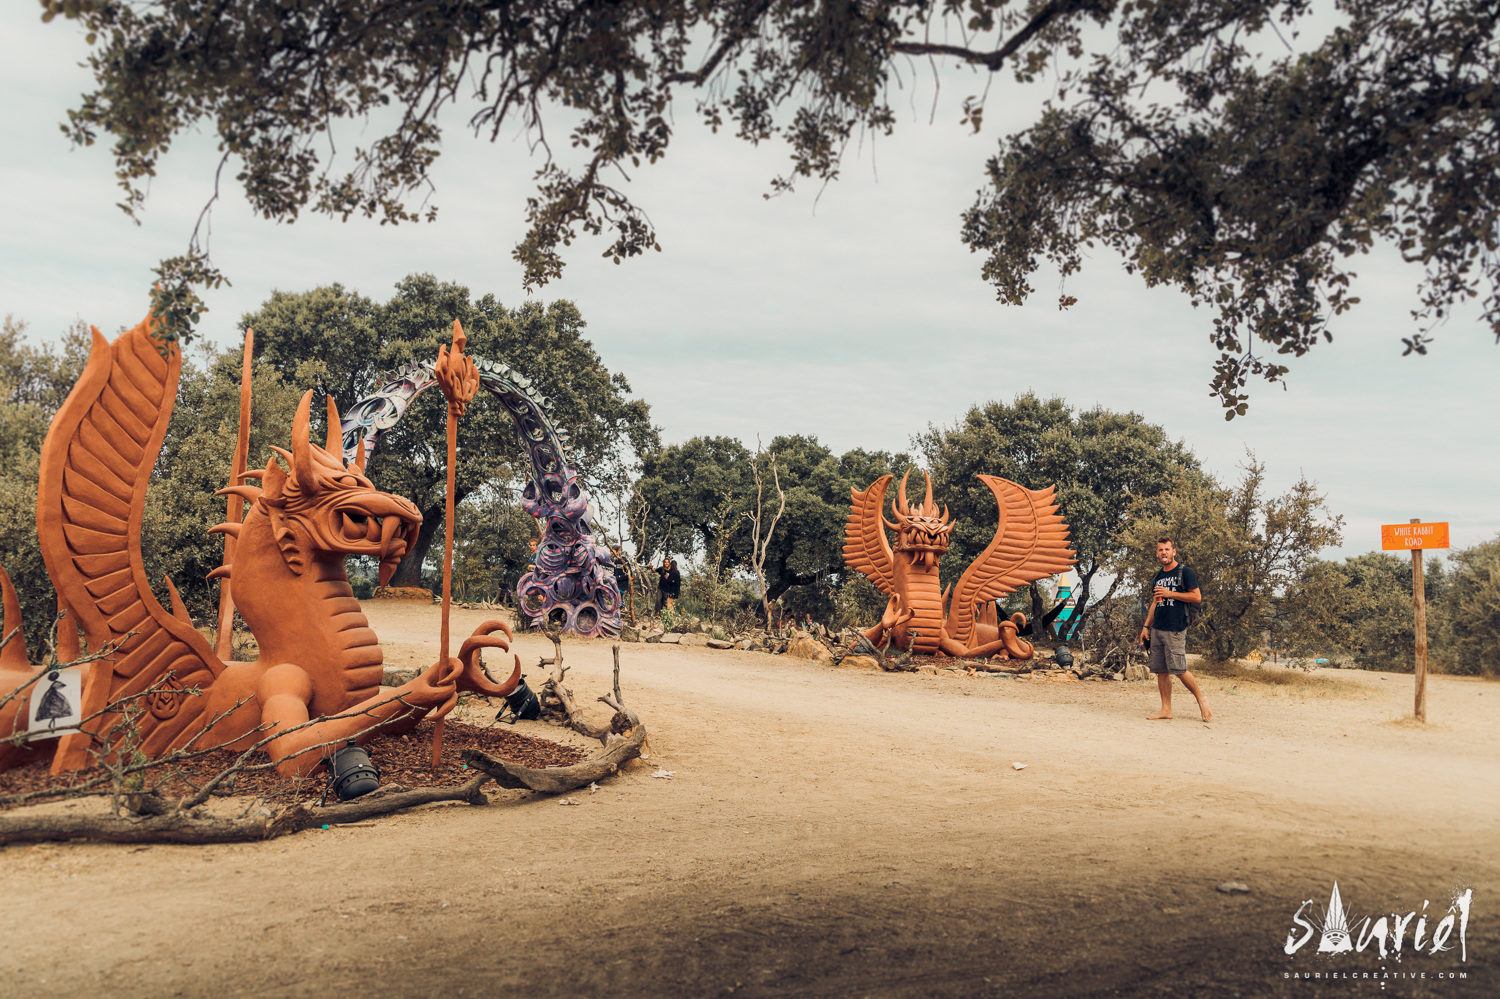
(622,578)
(669,588)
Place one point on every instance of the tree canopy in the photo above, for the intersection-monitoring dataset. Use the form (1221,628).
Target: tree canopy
(344,343)
(1245,181)
(692,499)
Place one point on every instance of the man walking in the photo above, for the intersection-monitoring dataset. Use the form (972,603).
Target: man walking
(1165,631)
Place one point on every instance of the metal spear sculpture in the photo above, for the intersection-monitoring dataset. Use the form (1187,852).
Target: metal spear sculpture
(458,379)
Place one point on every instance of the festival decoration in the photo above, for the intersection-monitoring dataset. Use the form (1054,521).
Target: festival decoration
(162,685)
(572,586)
(1031,542)
(459,380)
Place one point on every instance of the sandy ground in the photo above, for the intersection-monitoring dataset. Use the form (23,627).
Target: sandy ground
(836,833)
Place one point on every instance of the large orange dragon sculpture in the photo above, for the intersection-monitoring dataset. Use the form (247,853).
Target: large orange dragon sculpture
(319,658)
(1030,542)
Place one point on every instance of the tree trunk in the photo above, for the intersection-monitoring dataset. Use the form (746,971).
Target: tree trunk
(409,571)
(1038,627)
(1081,600)
(785,580)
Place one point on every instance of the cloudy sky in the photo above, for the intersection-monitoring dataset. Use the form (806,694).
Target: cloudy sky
(855,315)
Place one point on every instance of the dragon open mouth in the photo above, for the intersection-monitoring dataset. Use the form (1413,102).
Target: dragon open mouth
(378,525)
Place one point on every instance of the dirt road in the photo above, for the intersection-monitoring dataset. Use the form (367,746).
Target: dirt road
(838,833)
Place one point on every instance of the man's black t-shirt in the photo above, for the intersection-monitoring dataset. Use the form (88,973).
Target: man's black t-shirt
(1170,614)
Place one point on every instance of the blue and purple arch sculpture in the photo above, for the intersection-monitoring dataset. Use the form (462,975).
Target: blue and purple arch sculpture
(572,586)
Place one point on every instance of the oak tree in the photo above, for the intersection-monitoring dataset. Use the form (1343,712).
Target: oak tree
(344,344)
(1242,151)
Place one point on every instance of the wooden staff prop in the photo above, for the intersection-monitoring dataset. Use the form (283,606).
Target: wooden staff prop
(225,645)
(458,379)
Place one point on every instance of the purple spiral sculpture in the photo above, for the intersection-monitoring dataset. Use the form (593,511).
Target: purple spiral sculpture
(572,587)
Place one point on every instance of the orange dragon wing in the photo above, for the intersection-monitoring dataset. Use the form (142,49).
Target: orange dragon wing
(1031,542)
(866,548)
(96,465)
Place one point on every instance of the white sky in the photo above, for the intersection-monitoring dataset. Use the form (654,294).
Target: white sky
(858,317)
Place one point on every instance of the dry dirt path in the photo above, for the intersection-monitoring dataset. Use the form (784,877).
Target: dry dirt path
(835,833)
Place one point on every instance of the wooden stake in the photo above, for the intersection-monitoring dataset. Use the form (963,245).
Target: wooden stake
(224,647)
(1419,607)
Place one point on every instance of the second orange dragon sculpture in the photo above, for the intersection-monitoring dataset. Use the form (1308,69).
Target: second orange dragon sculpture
(1031,542)
(319,659)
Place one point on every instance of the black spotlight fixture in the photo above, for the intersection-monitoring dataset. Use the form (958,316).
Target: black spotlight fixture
(1063,656)
(351,773)
(522,703)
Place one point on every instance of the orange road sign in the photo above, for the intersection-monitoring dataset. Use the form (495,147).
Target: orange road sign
(1403,537)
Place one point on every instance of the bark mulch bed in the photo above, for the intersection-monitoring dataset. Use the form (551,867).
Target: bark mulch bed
(402,759)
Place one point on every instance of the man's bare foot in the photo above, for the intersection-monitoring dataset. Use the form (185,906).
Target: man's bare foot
(1165,714)
(1208,715)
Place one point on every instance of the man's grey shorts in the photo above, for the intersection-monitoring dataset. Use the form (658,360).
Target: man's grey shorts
(1168,652)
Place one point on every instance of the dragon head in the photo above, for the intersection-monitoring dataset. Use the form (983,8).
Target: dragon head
(922,532)
(324,505)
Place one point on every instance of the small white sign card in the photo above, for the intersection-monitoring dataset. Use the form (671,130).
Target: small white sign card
(56,704)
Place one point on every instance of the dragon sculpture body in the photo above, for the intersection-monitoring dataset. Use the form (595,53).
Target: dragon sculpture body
(921,617)
(319,658)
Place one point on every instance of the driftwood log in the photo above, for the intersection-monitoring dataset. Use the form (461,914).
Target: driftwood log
(194,826)
(558,780)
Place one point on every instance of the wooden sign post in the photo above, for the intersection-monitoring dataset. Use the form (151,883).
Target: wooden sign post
(1417,537)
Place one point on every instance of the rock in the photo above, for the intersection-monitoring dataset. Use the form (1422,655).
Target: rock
(671,638)
(654,635)
(395,676)
(860,662)
(693,638)
(402,593)
(719,643)
(1135,671)
(804,646)
(694,623)
(1234,888)
(929,670)
(629,634)
(746,644)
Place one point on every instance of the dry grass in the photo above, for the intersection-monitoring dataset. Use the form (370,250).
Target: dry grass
(1288,678)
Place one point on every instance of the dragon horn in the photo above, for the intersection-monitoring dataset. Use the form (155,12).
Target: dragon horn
(335,446)
(251,493)
(928,506)
(903,508)
(359,456)
(302,466)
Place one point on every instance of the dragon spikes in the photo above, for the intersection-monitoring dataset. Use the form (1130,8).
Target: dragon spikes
(335,445)
(902,510)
